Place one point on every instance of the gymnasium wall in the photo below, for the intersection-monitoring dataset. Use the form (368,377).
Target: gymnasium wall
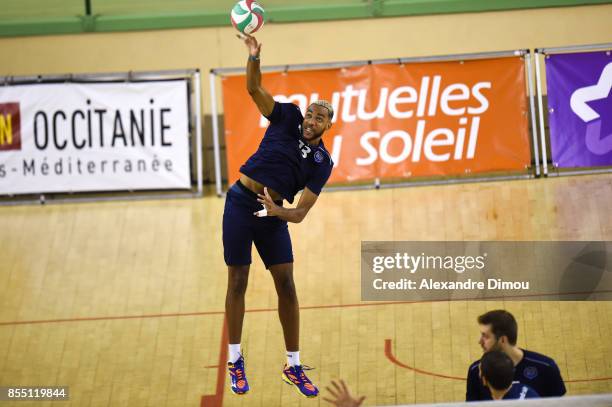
(293,43)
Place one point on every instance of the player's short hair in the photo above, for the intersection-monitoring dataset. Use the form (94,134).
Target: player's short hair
(502,323)
(325,104)
(497,368)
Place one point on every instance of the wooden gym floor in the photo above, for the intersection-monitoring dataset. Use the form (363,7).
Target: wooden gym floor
(123,301)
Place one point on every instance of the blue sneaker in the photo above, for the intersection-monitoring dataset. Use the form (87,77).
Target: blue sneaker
(240,385)
(294,375)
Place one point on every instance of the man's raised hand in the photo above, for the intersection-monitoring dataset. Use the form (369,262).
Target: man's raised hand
(251,42)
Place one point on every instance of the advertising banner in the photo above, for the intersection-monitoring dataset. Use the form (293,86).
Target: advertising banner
(73,137)
(396,121)
(580,108)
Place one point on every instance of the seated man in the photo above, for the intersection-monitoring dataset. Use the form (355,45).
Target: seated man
(497,372)
(499,331)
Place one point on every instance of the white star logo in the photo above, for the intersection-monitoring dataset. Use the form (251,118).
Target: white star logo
(580,97)
(578,102)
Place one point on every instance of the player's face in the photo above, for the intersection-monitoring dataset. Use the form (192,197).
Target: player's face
(488,341)
(316,121)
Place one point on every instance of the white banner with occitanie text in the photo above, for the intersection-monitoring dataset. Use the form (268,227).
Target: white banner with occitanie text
(74,137)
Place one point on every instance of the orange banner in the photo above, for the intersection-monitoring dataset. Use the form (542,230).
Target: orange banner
(399,121)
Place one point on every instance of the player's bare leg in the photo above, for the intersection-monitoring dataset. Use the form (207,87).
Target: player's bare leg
(288,306)
(237,281)
(289,314)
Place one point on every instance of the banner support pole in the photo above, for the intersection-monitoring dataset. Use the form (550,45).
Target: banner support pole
(215,130)
(541,113)
(198,124)
(534,128)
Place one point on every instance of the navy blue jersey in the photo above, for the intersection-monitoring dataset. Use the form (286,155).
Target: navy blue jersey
(520,391)
(539,372)
(284,161)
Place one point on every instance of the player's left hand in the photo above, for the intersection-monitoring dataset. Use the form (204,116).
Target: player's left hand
(266,200)
(251,42)
(342,396)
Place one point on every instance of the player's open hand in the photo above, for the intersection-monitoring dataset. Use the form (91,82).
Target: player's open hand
(270,208)
(251,42)
(342,396)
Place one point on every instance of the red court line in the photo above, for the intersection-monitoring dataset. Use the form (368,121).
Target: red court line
(597,379)
(393,359)
(327,306)
(216,400)
(108,318)
(389,355)
(119,317)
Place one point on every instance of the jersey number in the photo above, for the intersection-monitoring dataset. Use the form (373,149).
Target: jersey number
(304,149)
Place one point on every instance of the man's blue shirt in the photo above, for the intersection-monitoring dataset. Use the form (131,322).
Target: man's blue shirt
(284,161)
(538,371)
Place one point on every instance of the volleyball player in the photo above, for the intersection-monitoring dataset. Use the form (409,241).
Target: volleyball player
(497,374)
(291,157)
(499,331)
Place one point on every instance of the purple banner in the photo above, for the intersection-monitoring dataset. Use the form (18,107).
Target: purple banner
(580,108)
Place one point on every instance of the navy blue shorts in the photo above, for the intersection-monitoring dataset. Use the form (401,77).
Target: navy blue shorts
(241,229)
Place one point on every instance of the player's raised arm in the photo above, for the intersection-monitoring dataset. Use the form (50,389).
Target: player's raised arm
(260,96)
